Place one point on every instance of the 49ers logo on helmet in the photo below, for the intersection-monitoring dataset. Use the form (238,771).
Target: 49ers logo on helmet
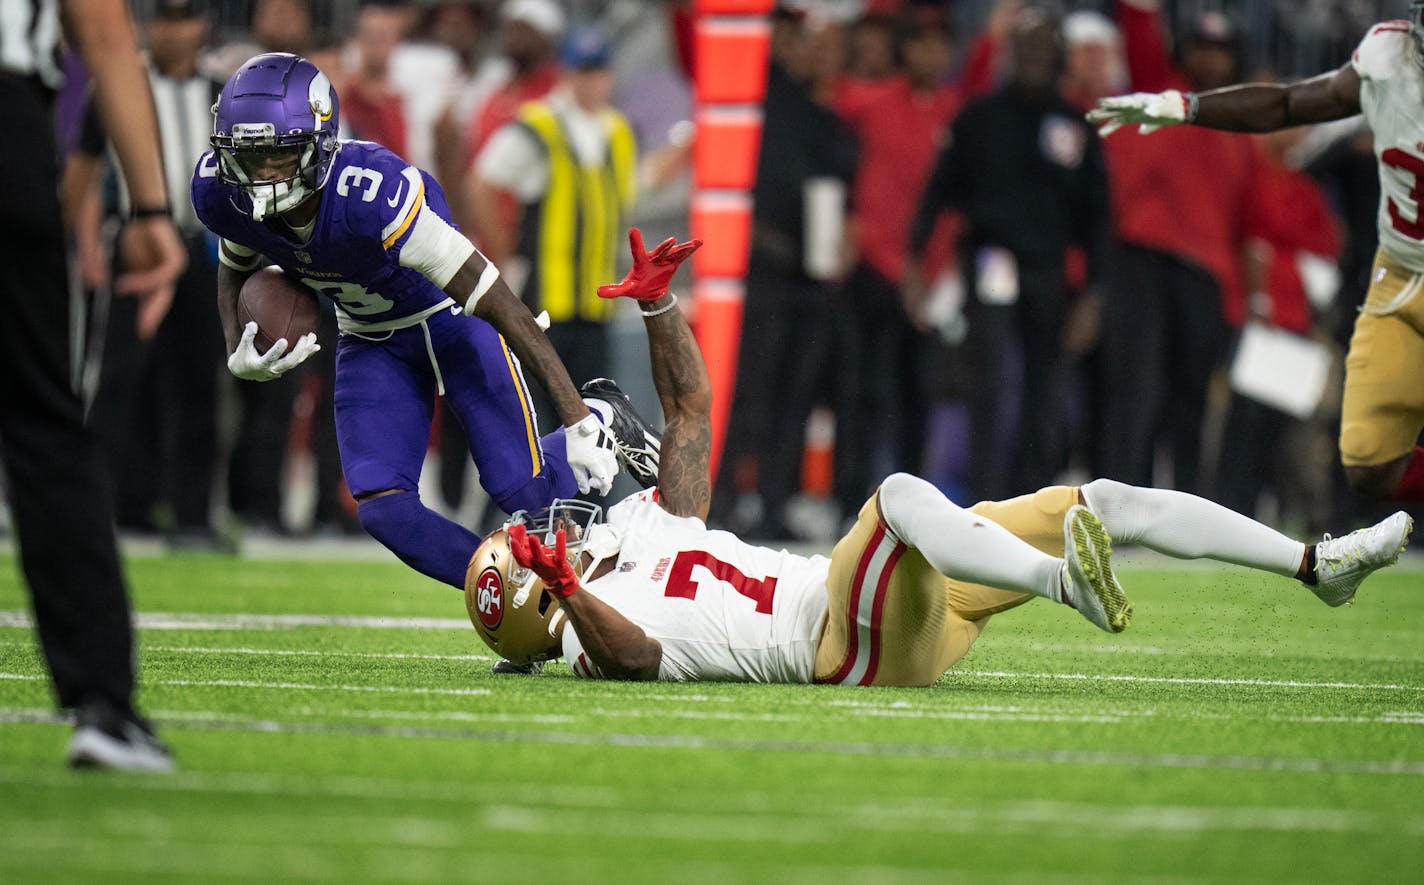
(489,602)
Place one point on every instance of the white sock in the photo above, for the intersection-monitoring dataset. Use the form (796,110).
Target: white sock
(965,545)
(1188,527)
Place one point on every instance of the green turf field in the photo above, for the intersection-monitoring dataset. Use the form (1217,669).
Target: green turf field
(337,722)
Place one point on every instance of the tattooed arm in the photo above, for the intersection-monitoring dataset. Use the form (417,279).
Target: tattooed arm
(680,375)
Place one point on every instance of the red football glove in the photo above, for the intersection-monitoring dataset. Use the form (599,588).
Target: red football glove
(552,566)
(652,271)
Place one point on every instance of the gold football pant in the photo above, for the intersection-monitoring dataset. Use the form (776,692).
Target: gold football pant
(1383,408)
(894,620)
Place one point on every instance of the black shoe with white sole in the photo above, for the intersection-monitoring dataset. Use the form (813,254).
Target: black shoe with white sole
(502,667)
(639,446)
(106,738)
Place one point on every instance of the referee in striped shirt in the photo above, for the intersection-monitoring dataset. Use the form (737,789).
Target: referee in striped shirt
(62,508)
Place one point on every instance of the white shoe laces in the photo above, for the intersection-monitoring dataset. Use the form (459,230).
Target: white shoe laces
(1331,555)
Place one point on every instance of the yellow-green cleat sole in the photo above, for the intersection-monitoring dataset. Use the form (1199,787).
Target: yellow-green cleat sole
(1094,549)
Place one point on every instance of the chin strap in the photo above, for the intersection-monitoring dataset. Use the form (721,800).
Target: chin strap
(602,541)
(279,193)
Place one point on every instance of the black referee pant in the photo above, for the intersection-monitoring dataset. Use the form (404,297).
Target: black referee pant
(1163,336)
(155,413)
(61,502)
(1017,436)
(885,369)
(787,328)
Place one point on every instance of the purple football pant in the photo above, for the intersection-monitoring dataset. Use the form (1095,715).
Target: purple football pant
(385,398)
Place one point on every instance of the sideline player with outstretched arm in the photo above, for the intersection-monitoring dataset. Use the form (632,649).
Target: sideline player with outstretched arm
(1383,408)
(653,594)
(419,308)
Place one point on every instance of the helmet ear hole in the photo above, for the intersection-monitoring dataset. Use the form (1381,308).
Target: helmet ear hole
(545,600)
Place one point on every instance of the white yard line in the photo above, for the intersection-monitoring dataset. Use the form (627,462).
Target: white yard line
(1185,680)
(190,621)
(575,808)
(315,653)
(662,712)
(1092,758)
(281,686)
(416,623)
(665,713)
(1121,649)
(1106,822)
(396,861)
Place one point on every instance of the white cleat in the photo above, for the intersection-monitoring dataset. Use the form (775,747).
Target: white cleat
(1087,572)
(1342,564)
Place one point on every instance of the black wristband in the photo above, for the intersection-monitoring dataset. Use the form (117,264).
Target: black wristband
(164,211)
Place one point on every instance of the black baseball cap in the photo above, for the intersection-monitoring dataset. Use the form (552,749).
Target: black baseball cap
(179,9)
(1214,27)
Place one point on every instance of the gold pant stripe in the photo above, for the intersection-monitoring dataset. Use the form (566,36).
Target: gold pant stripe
(530,432)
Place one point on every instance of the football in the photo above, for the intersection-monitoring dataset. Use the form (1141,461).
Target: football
(280,307)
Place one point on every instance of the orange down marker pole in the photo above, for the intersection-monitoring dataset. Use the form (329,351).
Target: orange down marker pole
(731,53)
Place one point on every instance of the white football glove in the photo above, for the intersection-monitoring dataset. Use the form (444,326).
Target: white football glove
(250,365)
(1149,111)
(591,451)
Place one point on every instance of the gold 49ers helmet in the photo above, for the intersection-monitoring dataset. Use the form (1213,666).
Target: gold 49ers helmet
(511,608)
(515,616)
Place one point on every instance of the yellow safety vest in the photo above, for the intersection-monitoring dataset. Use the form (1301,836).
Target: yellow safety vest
(574,233)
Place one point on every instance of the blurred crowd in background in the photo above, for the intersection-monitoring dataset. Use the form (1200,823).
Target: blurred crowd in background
(1006,301)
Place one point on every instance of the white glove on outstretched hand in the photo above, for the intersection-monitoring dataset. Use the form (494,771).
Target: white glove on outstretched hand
(591,451)
(1149,111)
(250,365)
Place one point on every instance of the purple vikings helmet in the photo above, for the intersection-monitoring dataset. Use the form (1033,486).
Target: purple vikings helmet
(276,113)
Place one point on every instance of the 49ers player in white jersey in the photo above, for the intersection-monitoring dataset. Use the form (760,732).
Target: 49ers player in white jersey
(654,594)
(1383,408)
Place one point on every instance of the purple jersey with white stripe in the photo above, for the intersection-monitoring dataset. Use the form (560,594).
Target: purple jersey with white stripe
(368,210)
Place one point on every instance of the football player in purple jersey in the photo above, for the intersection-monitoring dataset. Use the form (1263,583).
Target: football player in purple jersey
(420,312)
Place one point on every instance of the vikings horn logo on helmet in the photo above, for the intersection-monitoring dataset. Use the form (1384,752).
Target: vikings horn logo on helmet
(319,98)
